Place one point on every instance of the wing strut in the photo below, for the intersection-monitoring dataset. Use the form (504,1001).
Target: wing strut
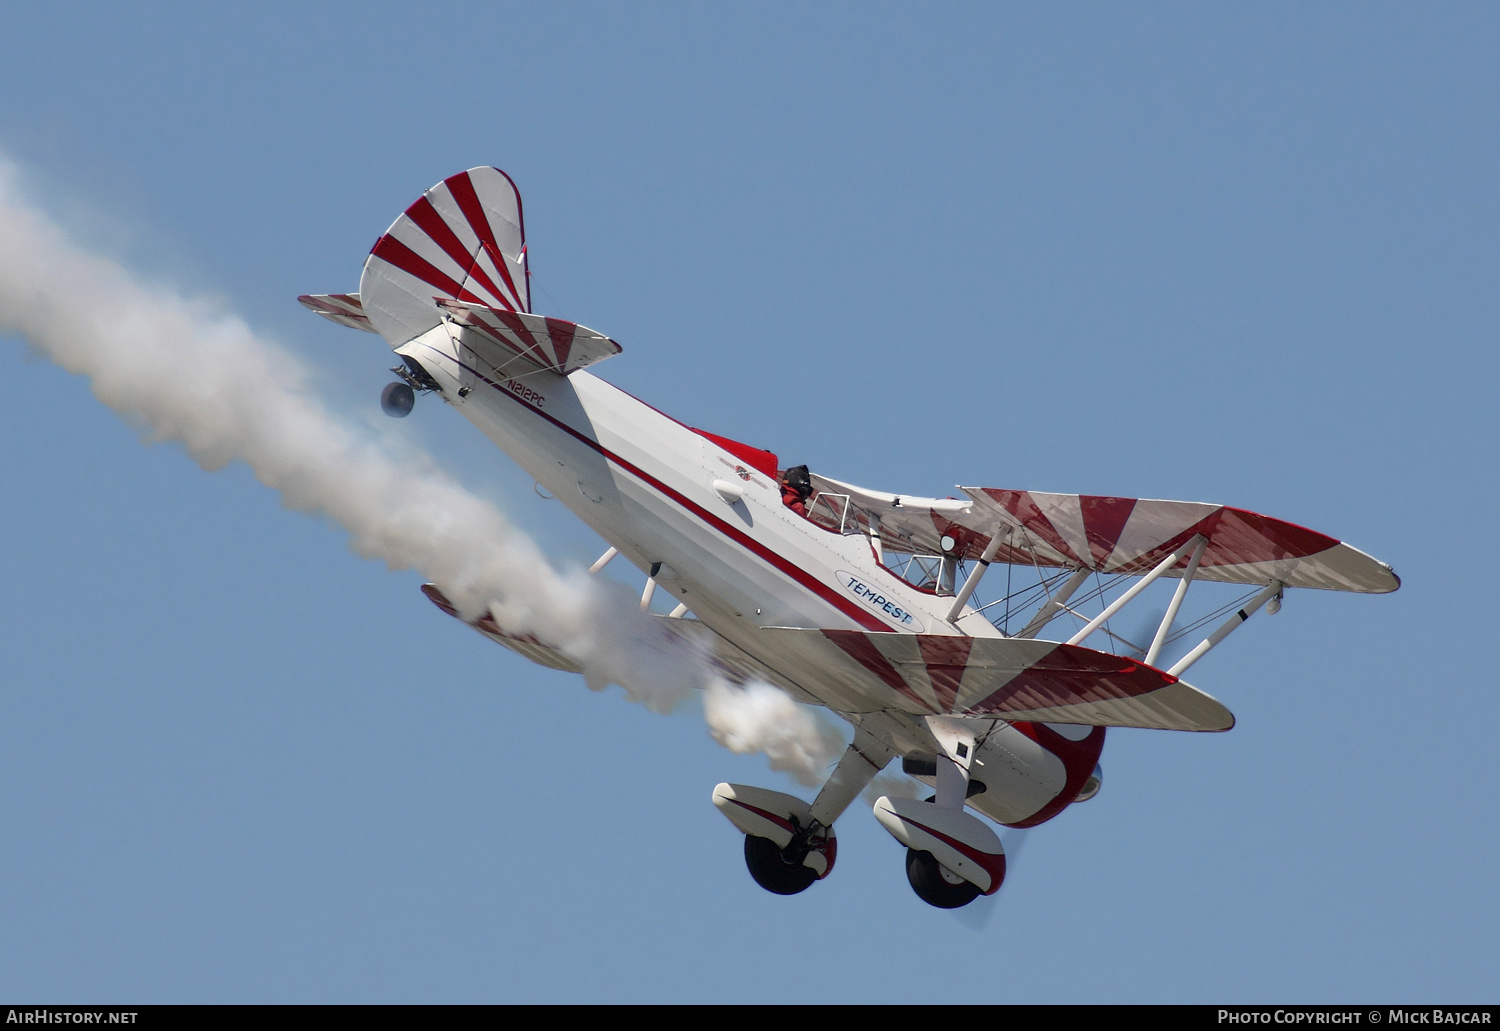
(1181,593)
(1140,585)
(1001,533)
(603,560)
(650,587)
(867,755)
(1273,590)
(1058,602)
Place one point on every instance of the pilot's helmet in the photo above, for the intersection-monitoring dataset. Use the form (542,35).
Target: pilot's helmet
(798,479)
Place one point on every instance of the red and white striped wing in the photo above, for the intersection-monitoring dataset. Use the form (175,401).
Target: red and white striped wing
(1118,535)
(1008,677)
(464,239)
(549,343)
(1129,535)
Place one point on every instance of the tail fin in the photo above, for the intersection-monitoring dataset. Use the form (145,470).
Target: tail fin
(464,240)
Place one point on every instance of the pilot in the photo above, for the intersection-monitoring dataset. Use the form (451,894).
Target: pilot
(796,488)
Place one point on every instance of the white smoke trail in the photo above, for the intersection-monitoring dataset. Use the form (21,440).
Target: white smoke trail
(761,718)
(195,375)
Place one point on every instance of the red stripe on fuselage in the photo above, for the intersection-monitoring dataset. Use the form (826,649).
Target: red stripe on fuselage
(845,605)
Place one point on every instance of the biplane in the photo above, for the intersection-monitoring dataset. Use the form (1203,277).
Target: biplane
(862,601)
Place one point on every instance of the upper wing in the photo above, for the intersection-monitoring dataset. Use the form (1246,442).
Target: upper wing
(1118,535)
(1008,677)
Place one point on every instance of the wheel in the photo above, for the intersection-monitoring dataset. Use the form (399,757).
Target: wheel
(396,400)
(772,871)
(934,887)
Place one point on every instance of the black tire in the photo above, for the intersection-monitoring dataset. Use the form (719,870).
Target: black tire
(397,400)
(927,881)
(771,869)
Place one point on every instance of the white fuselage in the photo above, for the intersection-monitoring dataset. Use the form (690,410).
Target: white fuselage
(644,482)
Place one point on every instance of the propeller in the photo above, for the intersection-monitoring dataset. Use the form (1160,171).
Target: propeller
(1142,632)
(977,915)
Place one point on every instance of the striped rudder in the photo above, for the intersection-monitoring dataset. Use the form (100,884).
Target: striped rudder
(464,239)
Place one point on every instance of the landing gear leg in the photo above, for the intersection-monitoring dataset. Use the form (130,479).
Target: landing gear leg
(397,399)
(781,870)
(957,738)
(789,844)
(866,756)
(933,882)
(951,857)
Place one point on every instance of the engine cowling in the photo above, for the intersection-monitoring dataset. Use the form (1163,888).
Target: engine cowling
(1092,785)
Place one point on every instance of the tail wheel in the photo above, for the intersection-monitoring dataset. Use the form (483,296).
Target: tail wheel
(933,884)
(397,400)
(773,870)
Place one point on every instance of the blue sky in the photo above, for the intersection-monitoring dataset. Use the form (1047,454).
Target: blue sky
(1235,254)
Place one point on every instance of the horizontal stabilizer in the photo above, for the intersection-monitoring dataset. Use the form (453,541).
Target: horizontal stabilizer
(550,344)
(344,309)
(1012,678)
